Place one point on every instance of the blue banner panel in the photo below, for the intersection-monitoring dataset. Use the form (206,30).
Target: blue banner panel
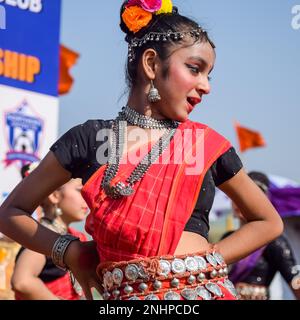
(29,45)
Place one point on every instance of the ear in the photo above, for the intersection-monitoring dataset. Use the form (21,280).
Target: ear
(149,63)
(54,197)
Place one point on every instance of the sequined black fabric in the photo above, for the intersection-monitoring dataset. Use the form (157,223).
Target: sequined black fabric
(278,256)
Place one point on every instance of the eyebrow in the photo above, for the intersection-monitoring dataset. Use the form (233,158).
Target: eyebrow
(201,60)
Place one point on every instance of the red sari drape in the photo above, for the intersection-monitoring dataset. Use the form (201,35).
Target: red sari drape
(151,221)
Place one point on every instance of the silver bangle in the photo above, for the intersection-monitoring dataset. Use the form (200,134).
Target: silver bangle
(59,248)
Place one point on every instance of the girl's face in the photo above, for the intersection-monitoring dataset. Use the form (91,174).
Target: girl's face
(71,203)
(187,81)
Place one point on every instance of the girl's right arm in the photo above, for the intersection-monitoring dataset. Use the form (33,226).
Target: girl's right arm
(15,213)
(16,222)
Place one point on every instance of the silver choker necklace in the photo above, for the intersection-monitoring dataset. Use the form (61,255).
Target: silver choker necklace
(137,119)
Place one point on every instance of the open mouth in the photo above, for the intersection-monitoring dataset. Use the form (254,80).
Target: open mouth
(193,101)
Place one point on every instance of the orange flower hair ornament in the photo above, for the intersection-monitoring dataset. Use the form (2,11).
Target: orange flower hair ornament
(138,13)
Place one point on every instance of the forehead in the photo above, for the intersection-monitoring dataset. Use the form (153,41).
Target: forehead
(202,50)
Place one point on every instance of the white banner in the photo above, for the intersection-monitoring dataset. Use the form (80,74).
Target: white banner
(29,125)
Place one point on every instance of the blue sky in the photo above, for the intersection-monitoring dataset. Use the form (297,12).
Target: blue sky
(256,79)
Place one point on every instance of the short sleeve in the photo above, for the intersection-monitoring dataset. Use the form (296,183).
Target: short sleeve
(226,167)
(73,149)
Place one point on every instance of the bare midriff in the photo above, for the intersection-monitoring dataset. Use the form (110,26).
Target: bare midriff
(191,242)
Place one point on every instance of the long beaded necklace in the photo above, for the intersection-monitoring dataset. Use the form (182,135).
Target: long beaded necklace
(128,115)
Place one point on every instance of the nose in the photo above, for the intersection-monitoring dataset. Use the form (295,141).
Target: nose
(203,85)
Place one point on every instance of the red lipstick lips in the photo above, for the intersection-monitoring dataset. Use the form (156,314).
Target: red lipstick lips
(192,102)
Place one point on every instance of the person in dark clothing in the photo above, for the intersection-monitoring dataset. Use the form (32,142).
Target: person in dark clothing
(253,275)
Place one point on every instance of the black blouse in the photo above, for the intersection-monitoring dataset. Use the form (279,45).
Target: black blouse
(278,256)
(76,152)
(50,271)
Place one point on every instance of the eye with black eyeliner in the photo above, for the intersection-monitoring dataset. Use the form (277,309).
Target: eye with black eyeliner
(193,69)
(196,70)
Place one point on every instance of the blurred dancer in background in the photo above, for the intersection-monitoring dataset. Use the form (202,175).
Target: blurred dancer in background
(254,274)
(35,276)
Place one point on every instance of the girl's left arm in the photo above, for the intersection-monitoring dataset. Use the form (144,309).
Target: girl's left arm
(263,221)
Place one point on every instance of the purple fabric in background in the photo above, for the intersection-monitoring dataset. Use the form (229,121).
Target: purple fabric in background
(286,201)
(243,268)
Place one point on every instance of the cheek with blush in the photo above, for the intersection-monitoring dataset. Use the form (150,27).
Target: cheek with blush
(72,202)
(181,80)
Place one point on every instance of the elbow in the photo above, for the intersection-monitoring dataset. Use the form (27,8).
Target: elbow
(277,227)
(280,227)
(3,212)
(20,284)
(2,220)
(6,213)
(3,216)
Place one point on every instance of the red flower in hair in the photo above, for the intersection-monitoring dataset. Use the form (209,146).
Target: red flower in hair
(147,5)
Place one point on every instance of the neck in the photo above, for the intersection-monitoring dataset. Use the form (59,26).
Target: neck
(138,101)
(49,214)
(58,224)
(62,221)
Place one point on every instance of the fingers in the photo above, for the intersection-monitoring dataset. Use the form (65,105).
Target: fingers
(97,286)
(88,293)
(87,289)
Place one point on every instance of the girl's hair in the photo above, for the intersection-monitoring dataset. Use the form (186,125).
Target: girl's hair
(161,23)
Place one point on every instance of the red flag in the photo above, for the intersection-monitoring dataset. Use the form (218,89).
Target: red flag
(67,59)
(248,138)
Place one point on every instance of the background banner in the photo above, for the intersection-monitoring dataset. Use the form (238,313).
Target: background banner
(29,72)
(29,46)
(29,125)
